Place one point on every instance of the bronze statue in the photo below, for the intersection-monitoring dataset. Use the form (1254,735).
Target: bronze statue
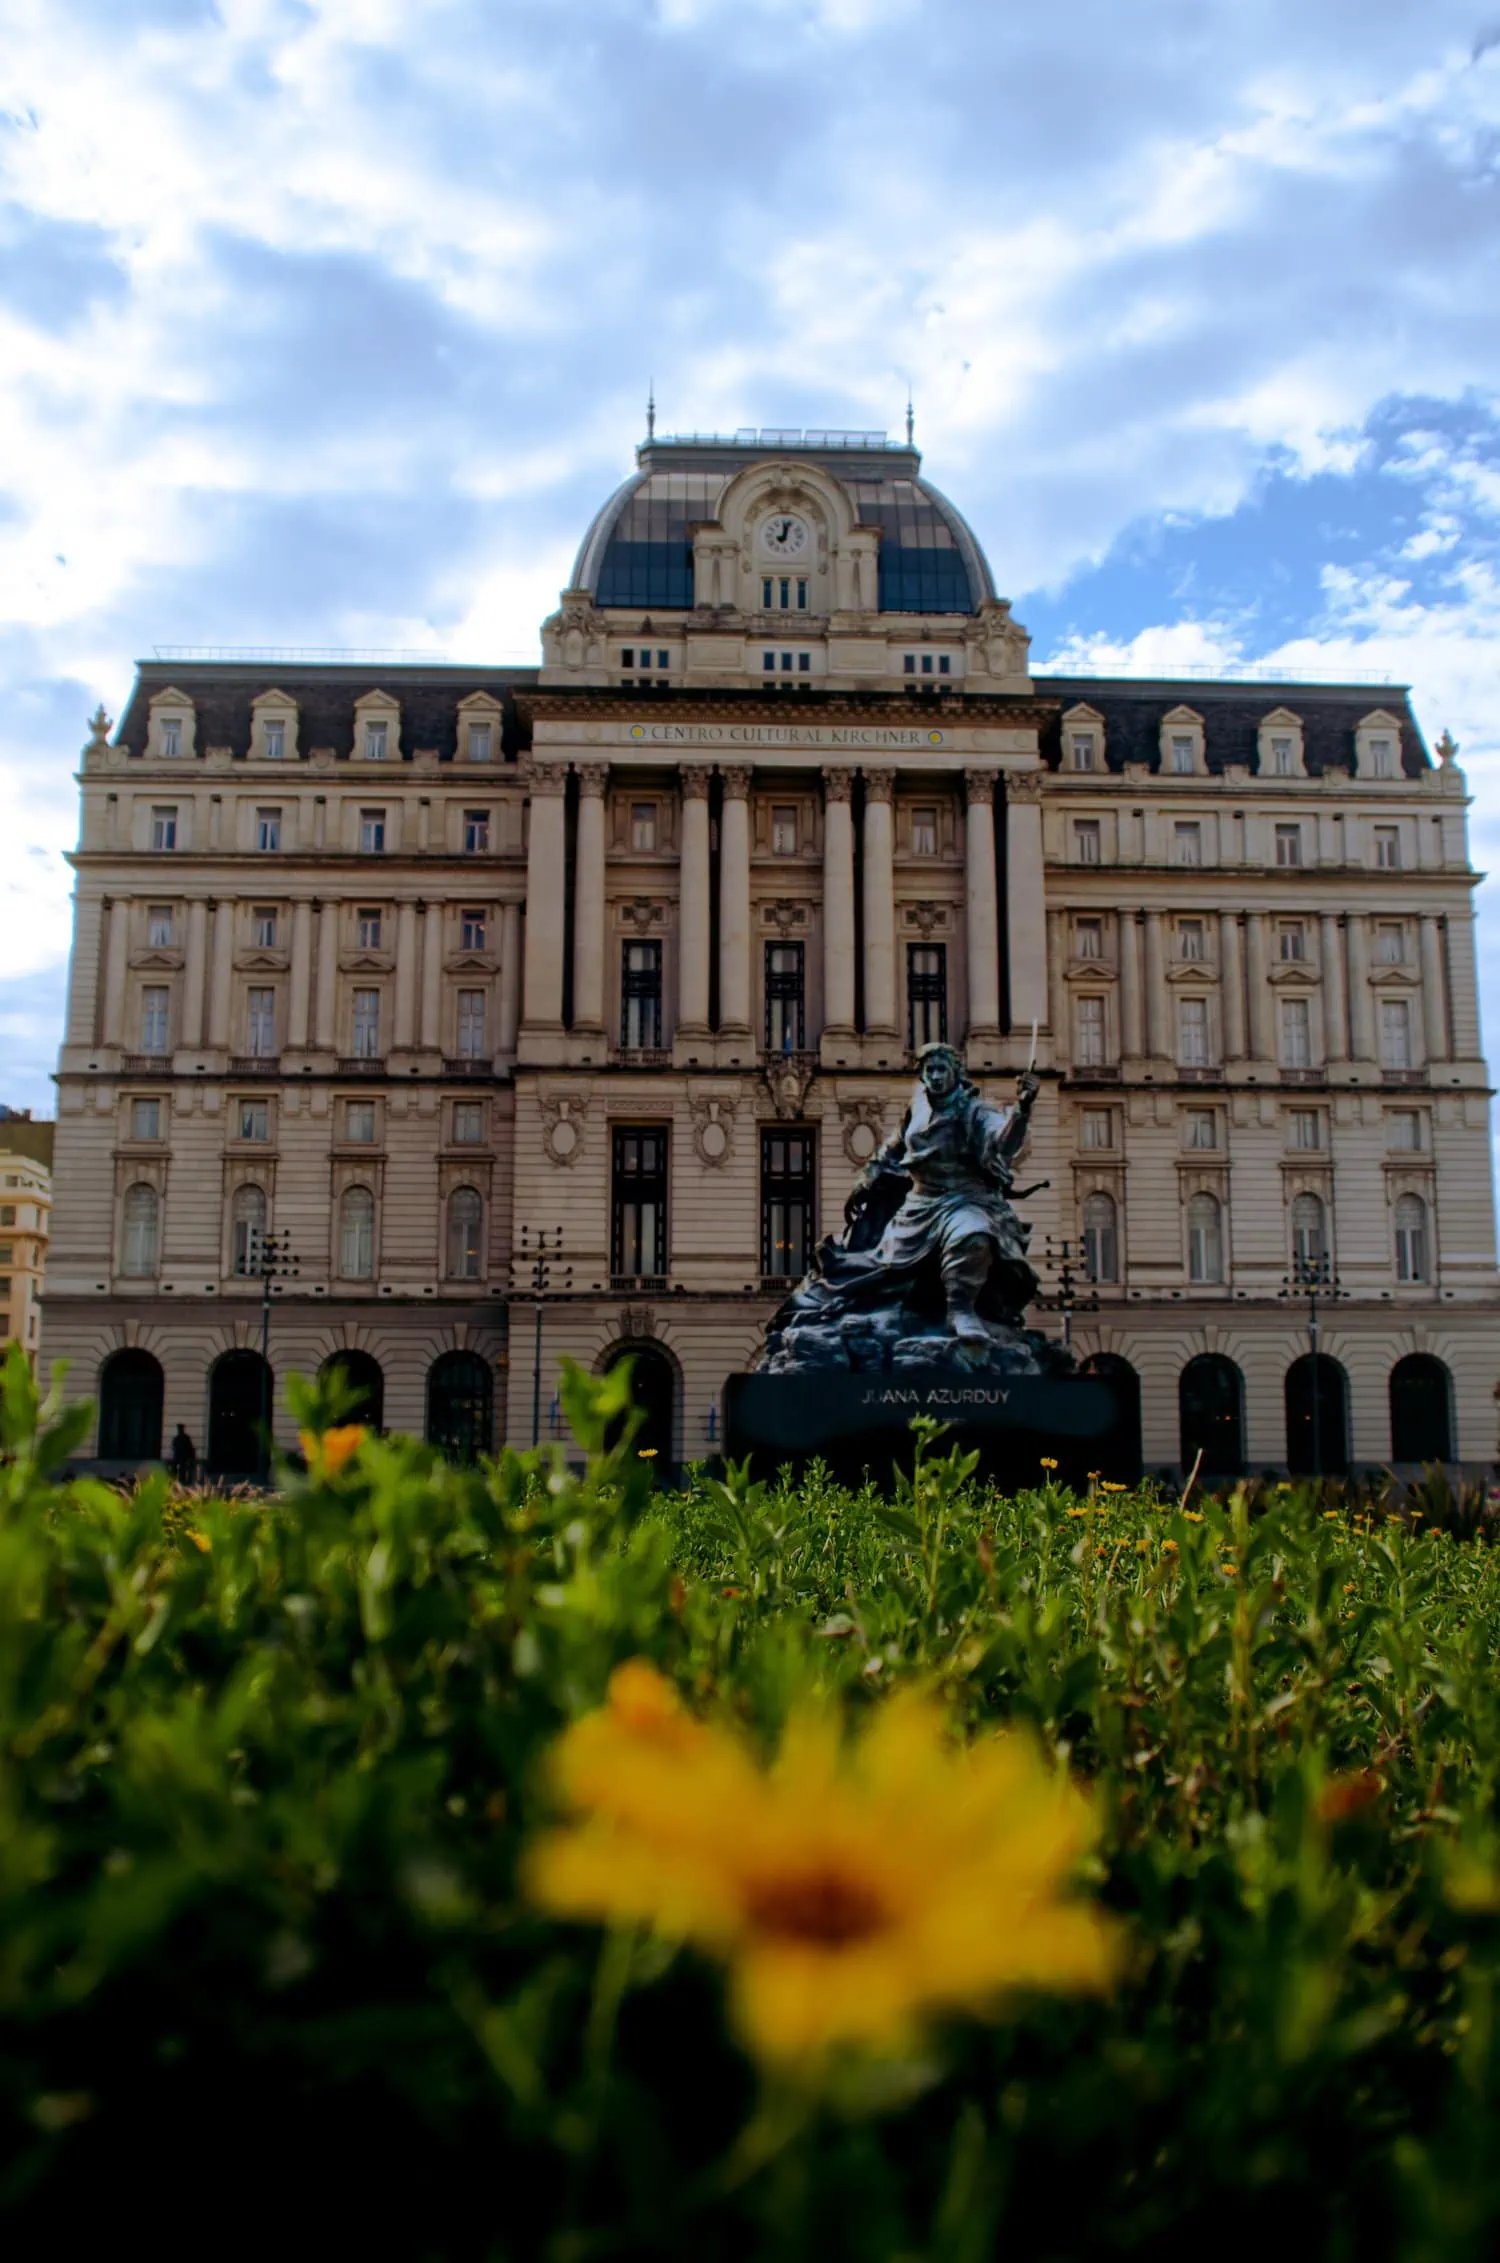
(931,1269)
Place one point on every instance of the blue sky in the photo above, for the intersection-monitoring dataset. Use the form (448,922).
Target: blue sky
(329,323)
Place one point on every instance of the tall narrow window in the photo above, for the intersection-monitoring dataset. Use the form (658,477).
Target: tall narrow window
(141,1221)
(926,995)
(1305,1127)
(371,832)
(357,1234)
(171,736)
(268,829)
(1098,1128)
(1084,750)
(1101,1251)
(164,829)
(1411,1238)
(1291,941)
(1390,943)
(254,1119)
(479,742)
(639,1240)
(465,1234)
(1086,839)
(640,997)
(1403,1132)
(924,831)
(472,929)
(1395,1033)
(1205,1240)
(785,998)
(1187,843)
(263,922)
(784,829)
(368,928)
(249,1223)
(1296,1034)
(1088,1030)
(471,1025)
(273,742)
(145,1119)
(1192,1033)
(156,1001)
(159,927)
(787,1187)
(1288,844)
(376,741)
(1088,938)
(1309,1245)
(366,1025)
(260,1023)
(468,1123)
(1182,756)
(476,832)
(1281,758)
(643,827)
(1190,940)
(359,1122)
(1383,758)
(1388,848)
(1202,1128)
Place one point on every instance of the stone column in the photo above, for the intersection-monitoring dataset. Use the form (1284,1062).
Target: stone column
(879,876)
(693,904)
(1262,1046)
(1025,933)
(195,974)
(1232,984)
(1361,1010)
(325,1013)
(1434,1001)
(1057,989)
(431,1034)
(546,859)
(1132,1002)
(1462,987)
(86,993)
(1158,1036)
(510,980)
(983,907)
(222,980)
(301,1002)
(406,978)
(1335,1006)
(116,961)
(838,904)
(734,905)
(588,900)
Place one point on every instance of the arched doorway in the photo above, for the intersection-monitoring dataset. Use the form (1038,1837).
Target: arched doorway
(364,1377)
(1421,1410)
(1317,1420)
(1120,1457)
(239,1397)
(131,1390)
(653,1391)
(460,1406)
(1210,1407)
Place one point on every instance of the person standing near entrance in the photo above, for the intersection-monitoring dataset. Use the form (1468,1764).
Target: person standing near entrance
(184,1458)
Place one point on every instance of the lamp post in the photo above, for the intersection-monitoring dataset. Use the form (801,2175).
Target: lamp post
(541,1254)
(1312,1276)
(273,1258)
(1065,1298)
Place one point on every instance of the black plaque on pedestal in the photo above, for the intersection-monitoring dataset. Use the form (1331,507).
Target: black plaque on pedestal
(860,1424)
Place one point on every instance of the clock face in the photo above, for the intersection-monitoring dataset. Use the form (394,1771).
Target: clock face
(784,536)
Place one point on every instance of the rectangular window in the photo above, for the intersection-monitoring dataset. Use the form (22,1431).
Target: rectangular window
(476,832)
(1084,749)
(171,736)
(1390,943)
(372,832)
(468,1123)
(1296,1034)
(1288,845)
(926,995)
(1281,758)
(366,1025)
(163,828)
(1388,848)
(1088,1020)
(159,927)
(924,831)
(268,829)
(1395,1034)
(260,1023)
(1291,941)
(1098,1127)
(1190,943)
(643,827)
(784,829)
(639,1238)
(787,1189)
(1088,938)
(156,1003)
(1306,1129)
(1403,1132)
(479,742)
(359,1123)
(785,995)
(368,919)
(1086,839)
(472,929)
(263,922)
(1187,844)
(471,1025)
(145,1119)
(1182,756)
(375,742)
(255,1119)
(1383,758)
(1202,1128)
(273,741)
(1192,1033)
(640,997)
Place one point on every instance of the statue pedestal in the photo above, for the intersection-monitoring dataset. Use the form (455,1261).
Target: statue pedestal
(859,1424)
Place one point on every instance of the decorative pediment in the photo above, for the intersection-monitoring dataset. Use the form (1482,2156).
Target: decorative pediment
(260,962)
(470,962)
(1400,977)
(1294,974)
(1091,971)
(366,962)
(1192,971)
(158,960)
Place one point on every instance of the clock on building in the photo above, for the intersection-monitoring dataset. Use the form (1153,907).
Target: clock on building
(784,535)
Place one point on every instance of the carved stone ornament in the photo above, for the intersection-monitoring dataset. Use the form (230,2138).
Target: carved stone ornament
(1023,785)
(696,778)
(637,1320)
(925,918)
(979,785)
(1446,749)
(864,1129)
(642,913)
(788,1084)
(101,724)
(838,785)
(783,914)
(880,785)
(563,1119)
(548,780)
(736,783)
(713,1131)
(593,777)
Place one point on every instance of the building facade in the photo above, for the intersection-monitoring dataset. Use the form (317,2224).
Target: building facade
(629,955)
(25,1215)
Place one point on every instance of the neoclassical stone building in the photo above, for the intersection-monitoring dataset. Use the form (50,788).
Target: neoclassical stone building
(631,951)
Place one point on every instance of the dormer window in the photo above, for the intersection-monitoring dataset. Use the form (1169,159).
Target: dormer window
(1382,758)
(377,738)
(1085,750)
(274,744)
(171,736)
(1281,758)
(479,742)
(1182,756)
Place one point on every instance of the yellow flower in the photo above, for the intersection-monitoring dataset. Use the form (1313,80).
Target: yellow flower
(646,1453)
(1078,1512)
(855,1891)
(1193,1516)
(1108,1487)
(1170,1544)
(1047,1462)
(326,1455)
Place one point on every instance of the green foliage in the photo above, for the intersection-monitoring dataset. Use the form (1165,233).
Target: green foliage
(266,1768)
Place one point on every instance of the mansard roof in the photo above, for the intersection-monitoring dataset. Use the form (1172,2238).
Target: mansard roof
(325,693)
(1133,710)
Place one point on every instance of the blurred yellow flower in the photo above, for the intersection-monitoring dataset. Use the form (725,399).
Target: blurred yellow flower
(1077,1512)
(1047,1462)
(854,1890)
(327,1454)
(1193,1516)
(1110,1487)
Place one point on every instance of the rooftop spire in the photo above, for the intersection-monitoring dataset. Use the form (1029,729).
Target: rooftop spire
(651,410)
(910,419)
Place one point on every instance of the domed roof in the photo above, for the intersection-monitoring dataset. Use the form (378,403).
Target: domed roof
(638,553)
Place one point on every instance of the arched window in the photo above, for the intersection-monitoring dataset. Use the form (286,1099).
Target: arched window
(1210,1404)
(1421,1410)
(1317,1417)
(1411,1238)
(1119,1453)
(653,1389)
(1205,1240)
(364,1378)
(465,1234)
(357,1234)
(1309,1241)
(131,1388)
(240,1397)
(142,1235)
(1101,1248)
(249,1229)
(460,1406)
